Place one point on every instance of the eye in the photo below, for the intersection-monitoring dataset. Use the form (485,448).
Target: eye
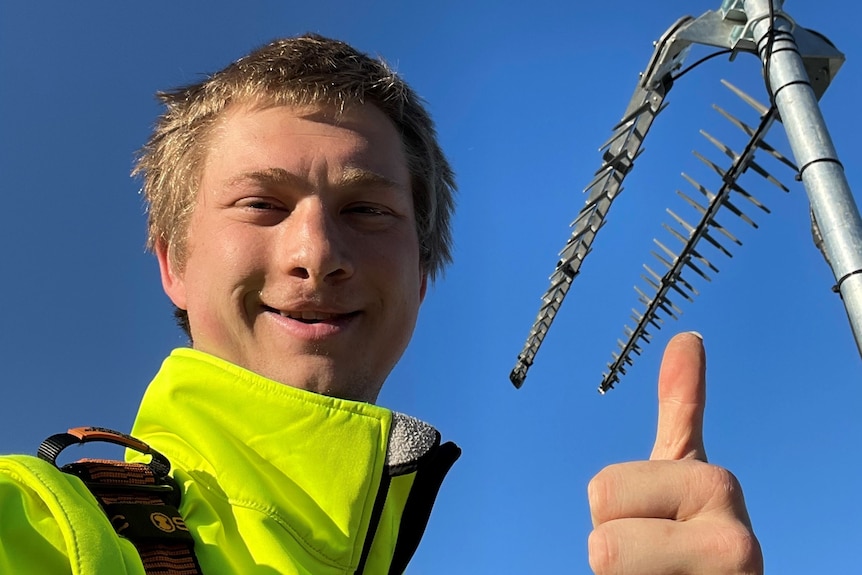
(258,204)
(261,210)
(370,217)
(369,210)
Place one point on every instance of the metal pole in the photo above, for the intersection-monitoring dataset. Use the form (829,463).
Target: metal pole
(832,204)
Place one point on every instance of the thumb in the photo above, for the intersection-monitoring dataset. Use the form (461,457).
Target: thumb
(681,399)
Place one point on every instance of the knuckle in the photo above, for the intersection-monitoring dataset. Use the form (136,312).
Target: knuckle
(722,484)
(600,491)
(603,553)
(724,479)
(740,549)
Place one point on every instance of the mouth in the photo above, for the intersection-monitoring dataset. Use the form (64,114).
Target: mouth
(311,317)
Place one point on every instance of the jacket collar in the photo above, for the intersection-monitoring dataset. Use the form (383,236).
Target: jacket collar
(306,461)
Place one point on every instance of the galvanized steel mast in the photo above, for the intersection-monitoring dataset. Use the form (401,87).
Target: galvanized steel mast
(834,211)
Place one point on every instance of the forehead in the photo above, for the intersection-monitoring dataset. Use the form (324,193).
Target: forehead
(304,138)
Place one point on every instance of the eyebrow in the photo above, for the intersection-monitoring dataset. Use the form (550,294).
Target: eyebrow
(271,176)
(358,177)
(350,178)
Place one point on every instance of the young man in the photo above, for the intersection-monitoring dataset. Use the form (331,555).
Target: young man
(299,204)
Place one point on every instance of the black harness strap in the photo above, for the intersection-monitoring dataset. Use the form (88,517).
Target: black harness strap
(140,499)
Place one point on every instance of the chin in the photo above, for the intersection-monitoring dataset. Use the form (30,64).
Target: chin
(354,387)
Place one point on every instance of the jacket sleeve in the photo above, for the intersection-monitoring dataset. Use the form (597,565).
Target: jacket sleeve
(31,540)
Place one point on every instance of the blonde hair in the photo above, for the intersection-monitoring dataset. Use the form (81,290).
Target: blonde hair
(305,70)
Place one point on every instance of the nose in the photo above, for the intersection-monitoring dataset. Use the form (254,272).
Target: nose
(315,248)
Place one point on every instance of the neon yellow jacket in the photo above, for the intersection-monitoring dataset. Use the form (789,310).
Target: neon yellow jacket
(275,480)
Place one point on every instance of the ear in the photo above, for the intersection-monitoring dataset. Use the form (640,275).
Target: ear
(172,279)
(423,287)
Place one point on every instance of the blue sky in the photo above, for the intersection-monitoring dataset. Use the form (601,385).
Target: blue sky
(523,95)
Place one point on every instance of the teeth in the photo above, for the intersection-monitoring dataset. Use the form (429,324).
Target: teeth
(307,315)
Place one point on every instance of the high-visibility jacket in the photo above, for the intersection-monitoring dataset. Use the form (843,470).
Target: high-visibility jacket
(274,480)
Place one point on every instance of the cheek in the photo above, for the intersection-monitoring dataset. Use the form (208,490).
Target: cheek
(408,298)
(229,253)
(219,275)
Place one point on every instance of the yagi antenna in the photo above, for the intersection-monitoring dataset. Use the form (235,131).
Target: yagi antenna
(799,65)
(670,285)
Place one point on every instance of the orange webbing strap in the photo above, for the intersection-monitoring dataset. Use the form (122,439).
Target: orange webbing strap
(140,500)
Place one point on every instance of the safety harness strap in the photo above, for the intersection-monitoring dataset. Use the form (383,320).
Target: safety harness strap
(140,499)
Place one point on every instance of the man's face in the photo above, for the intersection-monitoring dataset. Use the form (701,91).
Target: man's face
(303,259)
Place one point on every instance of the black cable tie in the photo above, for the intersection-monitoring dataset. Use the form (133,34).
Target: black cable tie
(837,287)
(774,34)
(793,83)
(817,161)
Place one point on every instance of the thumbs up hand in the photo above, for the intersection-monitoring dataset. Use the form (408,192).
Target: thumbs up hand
(675,513)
